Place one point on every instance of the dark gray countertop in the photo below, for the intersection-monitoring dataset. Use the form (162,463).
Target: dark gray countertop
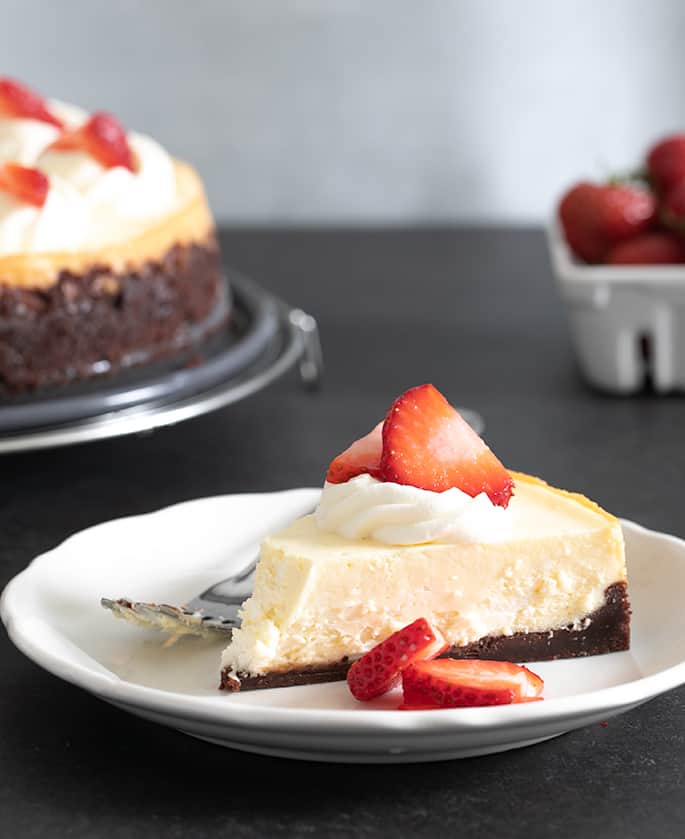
(475,312)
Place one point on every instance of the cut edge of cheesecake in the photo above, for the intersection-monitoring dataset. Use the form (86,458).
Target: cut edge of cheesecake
(605,630)
(602,630)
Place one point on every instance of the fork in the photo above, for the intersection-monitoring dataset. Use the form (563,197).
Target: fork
(210,614)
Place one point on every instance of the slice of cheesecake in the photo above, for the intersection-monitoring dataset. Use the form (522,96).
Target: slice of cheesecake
(419,519)
(555,589)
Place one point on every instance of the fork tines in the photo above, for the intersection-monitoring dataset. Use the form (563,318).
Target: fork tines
(173,620)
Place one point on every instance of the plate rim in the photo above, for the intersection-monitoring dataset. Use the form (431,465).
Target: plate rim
(219,711)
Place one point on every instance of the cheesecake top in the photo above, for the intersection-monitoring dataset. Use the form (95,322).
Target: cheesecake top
(399,514)
(536,511)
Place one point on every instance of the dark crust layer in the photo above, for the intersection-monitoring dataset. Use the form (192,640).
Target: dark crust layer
(606,630)
(306,676)
(104,320)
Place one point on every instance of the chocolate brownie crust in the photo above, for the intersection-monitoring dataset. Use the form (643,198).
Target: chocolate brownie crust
(606,630)
(104,320)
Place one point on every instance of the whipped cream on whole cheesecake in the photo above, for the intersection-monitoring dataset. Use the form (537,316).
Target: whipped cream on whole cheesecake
(61,224)
(398,514)
(22,140)
(89,205)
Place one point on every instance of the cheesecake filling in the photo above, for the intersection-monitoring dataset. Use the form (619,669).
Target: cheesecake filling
(320,597)
(395,514)
(89,206)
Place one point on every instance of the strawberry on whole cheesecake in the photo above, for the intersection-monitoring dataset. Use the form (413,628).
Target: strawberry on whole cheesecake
(102,137)
(24,184)
(17,101)
(419,519)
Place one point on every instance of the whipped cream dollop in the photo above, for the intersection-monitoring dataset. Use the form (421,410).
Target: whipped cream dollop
(58,225)
(395,514)
(88,205)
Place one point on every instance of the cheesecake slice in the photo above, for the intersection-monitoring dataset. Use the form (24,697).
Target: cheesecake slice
(419,519)
(556,589)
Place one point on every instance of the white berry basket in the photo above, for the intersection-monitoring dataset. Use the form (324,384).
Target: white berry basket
(628,322)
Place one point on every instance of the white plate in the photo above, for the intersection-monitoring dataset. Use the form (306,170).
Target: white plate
(53,615)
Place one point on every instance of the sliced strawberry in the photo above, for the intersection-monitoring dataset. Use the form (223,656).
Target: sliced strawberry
(103,137)
(450,683)
(19,101)
(427,444)
(379,670)
(363,457)
(25,184)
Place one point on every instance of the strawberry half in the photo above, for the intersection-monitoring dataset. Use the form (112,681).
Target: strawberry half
(103,137)
(450,683)
(427,444)
(19,101)
(363,457)
(27,185)
(379,670)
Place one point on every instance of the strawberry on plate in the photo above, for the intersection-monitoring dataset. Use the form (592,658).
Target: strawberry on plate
(465,683)
(666,162)
(103,137)
(379,670)
(30,186)
(20,102)
(427,444)
(363,457)
(655,248)
(594,217)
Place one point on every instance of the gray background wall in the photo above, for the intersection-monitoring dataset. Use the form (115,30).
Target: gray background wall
(357,111)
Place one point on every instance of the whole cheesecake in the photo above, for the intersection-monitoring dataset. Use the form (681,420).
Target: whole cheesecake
(420,520)
(108,251)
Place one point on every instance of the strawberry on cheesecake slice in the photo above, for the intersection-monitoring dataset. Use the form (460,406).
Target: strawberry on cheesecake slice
(419,519)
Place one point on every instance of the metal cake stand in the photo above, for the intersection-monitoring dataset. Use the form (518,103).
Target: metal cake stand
(274,338)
